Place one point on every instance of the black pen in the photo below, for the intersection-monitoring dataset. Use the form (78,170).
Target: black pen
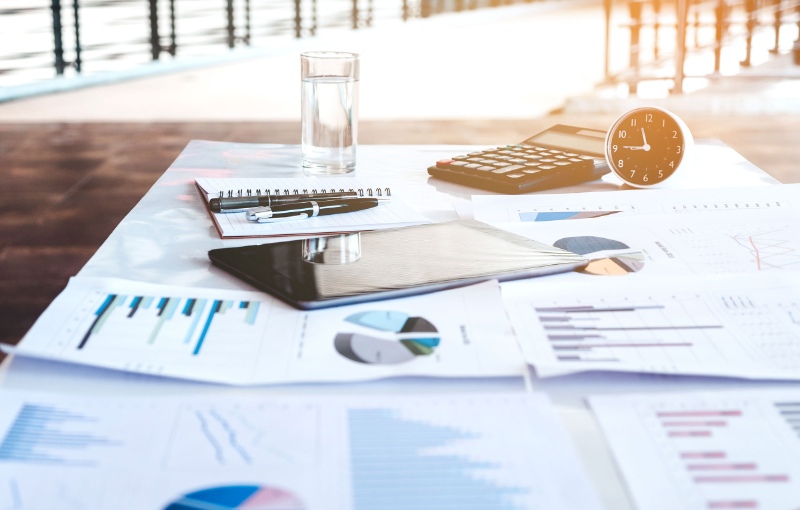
(310,209)
(239,204)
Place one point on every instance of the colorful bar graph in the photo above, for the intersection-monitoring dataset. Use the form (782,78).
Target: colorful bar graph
(171,316)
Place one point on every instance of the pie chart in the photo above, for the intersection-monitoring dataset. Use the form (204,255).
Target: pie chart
(242,497)
(386,338)
(621,263)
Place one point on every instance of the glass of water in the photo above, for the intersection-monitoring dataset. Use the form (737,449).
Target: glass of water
(329,111)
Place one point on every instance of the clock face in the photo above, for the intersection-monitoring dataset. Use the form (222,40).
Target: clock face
(645,146)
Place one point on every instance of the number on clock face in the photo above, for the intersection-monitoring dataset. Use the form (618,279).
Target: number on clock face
(645,146)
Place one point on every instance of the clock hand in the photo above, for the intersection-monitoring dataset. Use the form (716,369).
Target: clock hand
(636,147)
(646,145)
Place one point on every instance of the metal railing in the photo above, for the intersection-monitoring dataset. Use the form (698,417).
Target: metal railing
(664,35)
(42,39)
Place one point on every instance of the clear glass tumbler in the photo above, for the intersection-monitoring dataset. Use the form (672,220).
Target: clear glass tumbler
(329,117)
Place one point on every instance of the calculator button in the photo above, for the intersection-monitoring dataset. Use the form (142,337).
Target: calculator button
(471,165)
(561,157)
(570,154)
(444,162)
(585,157)
(457,163)
(547,160)
(531,171)
(532,157)
(518,161)
(575,160)
(562,163)
(487,168)
(475,160)
(502,170)
(501,164)
(547,167)
(514,176)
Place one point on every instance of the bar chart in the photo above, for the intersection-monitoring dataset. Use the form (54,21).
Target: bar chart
(43,434)
(706,450)
(390,470)
(742,328)
(587,334)
(450,453)
(284,453)
(185,321)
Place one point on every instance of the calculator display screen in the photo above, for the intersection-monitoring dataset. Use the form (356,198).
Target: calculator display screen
(592,145)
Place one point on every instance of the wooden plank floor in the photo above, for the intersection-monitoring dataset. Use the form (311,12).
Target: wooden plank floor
(66,186)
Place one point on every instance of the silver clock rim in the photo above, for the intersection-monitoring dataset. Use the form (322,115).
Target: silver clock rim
(688,143)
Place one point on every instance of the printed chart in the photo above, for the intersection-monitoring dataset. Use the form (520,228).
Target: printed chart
(746,331)
(274,453)
(620,259)
(772,246)
(392,337)
(238,497)
(121,319)
(706,450)
(247,337)
(628,203)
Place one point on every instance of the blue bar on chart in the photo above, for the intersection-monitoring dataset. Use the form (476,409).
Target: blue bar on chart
(39,435)
(119,315)
(390,468)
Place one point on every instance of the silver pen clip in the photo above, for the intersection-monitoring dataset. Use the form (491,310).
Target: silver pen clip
(264,215)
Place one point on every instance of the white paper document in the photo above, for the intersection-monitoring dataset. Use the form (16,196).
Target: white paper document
(540,208)
(248,337)
(700,451)
(722,325)
(755,241)
(393,213)
(504,452)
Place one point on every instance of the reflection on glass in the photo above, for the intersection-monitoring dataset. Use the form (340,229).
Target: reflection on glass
(341,249)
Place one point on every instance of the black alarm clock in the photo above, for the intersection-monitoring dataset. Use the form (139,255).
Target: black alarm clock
(646,146)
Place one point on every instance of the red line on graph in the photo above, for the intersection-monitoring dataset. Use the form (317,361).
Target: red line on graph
(722,467)
(758,256)
(690,433)
(678,414)
(712,423)
(733,504)
(741,478)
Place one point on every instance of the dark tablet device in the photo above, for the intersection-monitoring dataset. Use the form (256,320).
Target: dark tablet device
(366,266)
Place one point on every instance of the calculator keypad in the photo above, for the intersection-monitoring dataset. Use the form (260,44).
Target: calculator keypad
(517,163)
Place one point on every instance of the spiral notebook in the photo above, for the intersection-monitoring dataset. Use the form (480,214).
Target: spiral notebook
(394,213)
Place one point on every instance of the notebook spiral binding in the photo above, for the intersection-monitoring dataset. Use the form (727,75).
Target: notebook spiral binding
(369,192)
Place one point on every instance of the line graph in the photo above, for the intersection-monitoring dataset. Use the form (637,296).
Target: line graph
(771,249)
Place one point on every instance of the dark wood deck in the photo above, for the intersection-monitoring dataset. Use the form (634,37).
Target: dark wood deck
(66,186)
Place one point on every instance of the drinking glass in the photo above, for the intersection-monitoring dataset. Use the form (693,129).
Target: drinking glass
(329,119)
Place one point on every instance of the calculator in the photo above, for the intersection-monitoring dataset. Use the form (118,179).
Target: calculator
(558,156)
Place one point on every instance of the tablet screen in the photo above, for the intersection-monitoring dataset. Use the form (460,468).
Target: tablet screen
(364,266)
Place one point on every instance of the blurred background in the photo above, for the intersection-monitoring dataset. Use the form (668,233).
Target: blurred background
(98,97)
